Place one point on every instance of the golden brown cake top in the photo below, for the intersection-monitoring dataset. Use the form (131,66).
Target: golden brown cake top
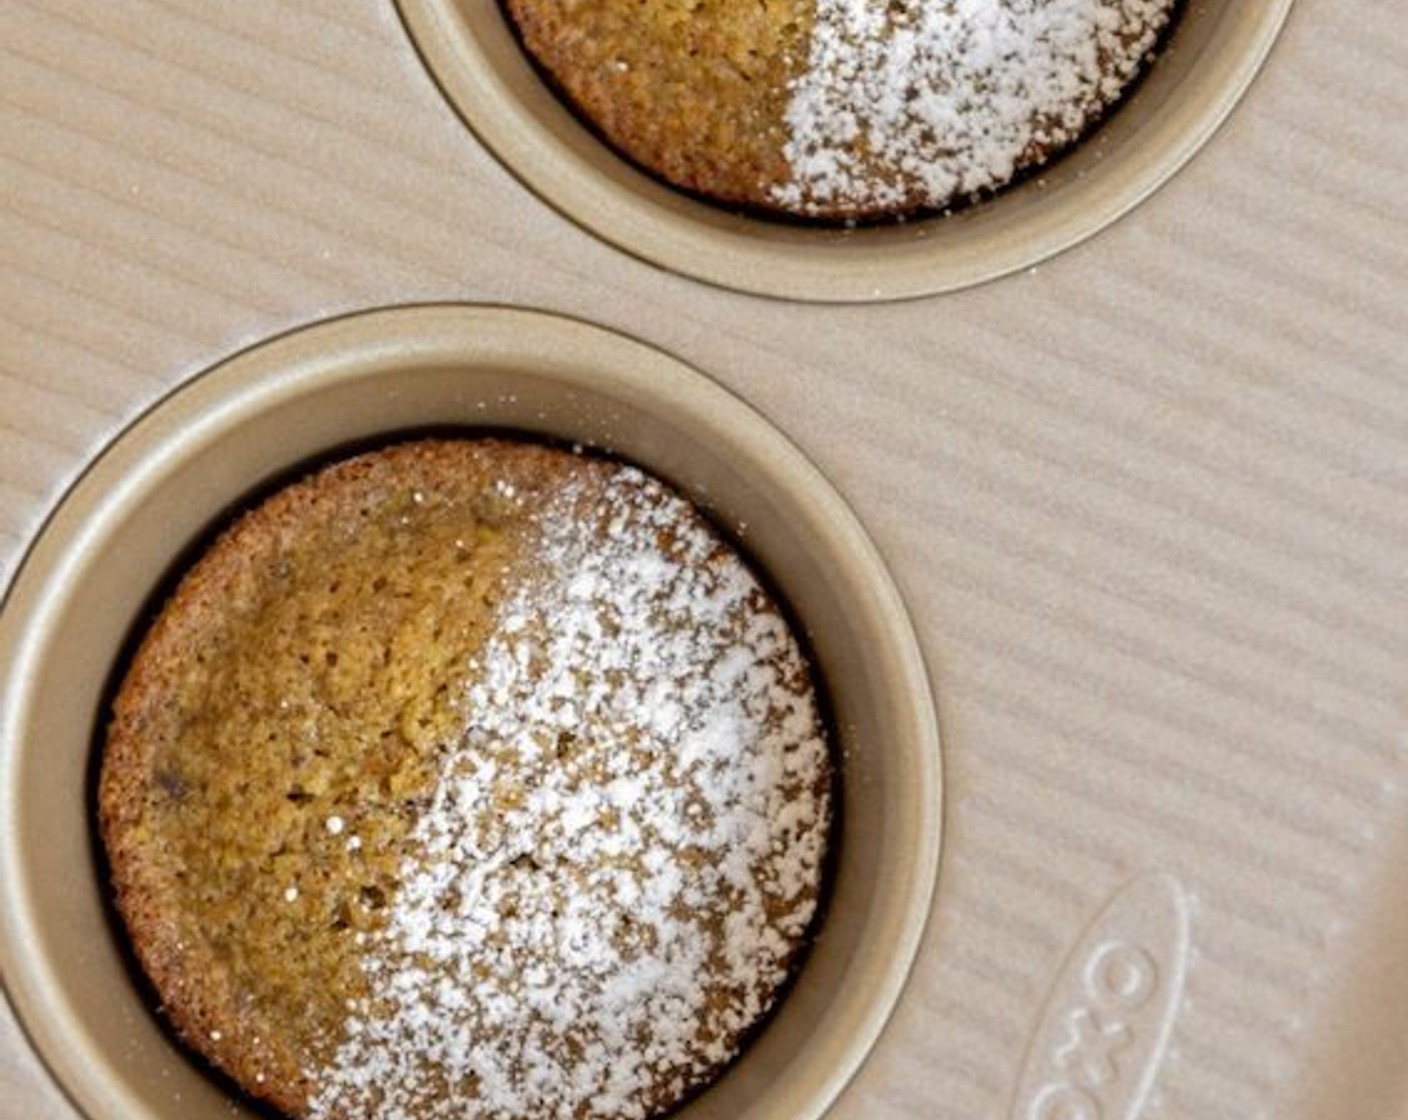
(842,108)
(469,774)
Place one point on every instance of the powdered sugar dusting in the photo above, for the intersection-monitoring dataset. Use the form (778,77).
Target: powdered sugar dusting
(623,854)
(930,101)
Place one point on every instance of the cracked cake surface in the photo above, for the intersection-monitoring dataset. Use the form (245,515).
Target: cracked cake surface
(468,777)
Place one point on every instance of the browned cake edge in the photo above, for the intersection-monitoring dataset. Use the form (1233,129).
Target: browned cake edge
(671,129)
(198,997)
(207,1014)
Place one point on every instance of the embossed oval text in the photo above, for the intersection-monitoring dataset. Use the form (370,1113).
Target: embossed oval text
(1107,1020)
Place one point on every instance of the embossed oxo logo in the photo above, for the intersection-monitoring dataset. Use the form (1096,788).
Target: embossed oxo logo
(1107,1021)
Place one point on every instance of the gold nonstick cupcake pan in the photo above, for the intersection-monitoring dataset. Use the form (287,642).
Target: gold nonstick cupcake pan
(1102,478)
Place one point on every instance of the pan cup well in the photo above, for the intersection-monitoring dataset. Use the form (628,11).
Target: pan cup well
(1208,60)
(203,451)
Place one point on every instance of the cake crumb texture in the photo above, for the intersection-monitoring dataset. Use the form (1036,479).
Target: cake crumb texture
(842,109)
(468,778)
(695,91)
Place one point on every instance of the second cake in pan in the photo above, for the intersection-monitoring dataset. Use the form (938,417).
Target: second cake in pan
(841,109)
(468,777)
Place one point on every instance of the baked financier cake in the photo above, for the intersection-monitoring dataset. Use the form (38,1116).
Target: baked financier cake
(841,109)
(468,777)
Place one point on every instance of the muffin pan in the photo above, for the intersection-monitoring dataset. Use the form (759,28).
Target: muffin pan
(1205,65)
(202,451)
(1145,502)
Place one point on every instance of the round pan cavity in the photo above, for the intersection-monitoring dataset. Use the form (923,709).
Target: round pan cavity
(131,519)
(1204,67)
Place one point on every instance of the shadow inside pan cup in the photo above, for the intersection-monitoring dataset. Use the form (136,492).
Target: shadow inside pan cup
(1207,62)
(204,450)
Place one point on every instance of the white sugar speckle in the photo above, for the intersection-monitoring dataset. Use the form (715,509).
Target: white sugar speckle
(334,825)
(622,854)
(291,894)
(940,100)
